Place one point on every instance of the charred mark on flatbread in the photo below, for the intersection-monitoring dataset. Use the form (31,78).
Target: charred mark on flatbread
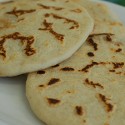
(41,86)
(86,68)
(17,36)
(47,15)
(111,70)
(48,27)
(52,101)
(114,71)
(92,43)
(77,10)
(108,106)
(50,7)
(75,23)
(53,81)
(108,38)
(18,13)
(79,110)
(117,65)
(55,66)
(2,50)
(94,85)
(67,69)
(7,2)
(90,54)
(108,35)
(101,34)
(41,72)
(118,50)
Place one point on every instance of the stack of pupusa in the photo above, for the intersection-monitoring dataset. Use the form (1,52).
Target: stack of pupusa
(87,88)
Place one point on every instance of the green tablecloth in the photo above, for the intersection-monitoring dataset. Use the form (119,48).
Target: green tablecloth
(121,2)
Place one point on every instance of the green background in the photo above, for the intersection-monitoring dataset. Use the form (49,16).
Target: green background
(121,2)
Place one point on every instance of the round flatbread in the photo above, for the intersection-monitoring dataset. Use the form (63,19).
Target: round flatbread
(87,89)
(103,17)
(38,34)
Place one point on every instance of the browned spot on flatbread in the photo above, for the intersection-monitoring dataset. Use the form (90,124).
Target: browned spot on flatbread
(118,50)
(94,85)
(67,69)
(75,23)
(50,7)
(7,2)
(100,34)
(53,81)
(77,10)
(2,50)
(108,106)
(90,54)
(92,43)
(86,68)
(117,65)
(41,86)
(48,27)
(41,72)
(47,15)
(18,13)
(55,66)
(114,71)
(79,110)
(108,35)
(52,101)
(111,70)
(17,36)
(108,38)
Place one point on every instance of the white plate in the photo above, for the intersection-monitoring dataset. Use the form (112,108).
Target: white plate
(14,108)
